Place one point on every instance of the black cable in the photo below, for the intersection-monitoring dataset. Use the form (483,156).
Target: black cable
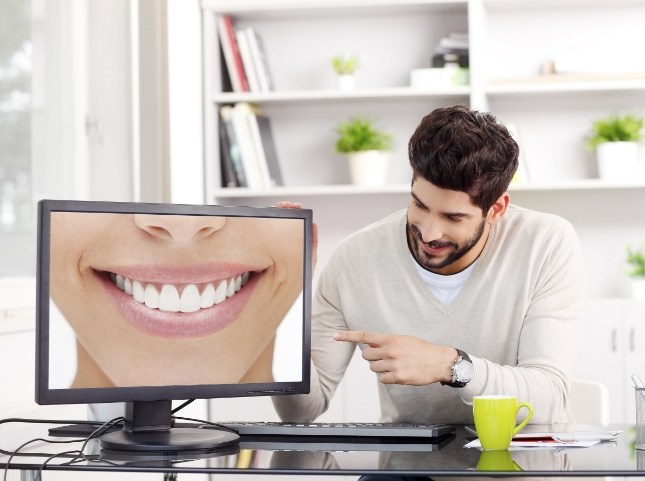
(78,452)
(42,466)
(202,422)
(181,406)
(97,433)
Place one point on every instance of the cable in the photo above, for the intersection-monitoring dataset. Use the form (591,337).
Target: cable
(78,452)
(181,406)
(202,422)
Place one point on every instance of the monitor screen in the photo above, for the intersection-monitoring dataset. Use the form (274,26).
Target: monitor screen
(149,303)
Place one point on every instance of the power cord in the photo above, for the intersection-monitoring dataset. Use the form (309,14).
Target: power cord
(77,454)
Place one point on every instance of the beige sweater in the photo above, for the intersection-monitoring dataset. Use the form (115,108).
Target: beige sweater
(518,317)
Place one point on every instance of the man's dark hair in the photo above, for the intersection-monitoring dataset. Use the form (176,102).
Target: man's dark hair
(465,150)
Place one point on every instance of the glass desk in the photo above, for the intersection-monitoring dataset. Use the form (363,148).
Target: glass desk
(352,456)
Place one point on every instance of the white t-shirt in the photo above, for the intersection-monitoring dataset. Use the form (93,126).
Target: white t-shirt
(444,287)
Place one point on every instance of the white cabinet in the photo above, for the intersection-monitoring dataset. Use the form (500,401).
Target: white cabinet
(612,347)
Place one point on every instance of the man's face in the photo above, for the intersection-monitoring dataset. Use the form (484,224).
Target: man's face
(446,232)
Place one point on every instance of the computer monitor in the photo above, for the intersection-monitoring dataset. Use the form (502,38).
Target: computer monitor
(170,302)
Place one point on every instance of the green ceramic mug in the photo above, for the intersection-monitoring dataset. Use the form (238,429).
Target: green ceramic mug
(496,420)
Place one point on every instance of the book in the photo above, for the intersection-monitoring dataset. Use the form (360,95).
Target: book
(247,61)
(230,49)
(235,155)
(260,156)
(228,178)
(240,119)
(258,54)
(270,153)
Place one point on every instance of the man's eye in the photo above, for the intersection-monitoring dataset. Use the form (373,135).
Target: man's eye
(455,218)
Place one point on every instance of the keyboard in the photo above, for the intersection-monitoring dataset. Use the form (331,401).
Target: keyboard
(385,430)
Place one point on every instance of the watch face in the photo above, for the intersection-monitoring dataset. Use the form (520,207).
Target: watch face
(464,371)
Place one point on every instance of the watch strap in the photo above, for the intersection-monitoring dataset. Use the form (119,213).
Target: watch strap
(461,356)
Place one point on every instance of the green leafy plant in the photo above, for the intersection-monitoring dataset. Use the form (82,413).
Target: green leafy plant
(636,261)
(359,134)
(615,128)
(345,64)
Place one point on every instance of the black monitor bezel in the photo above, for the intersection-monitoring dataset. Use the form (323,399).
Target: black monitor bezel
(46,395)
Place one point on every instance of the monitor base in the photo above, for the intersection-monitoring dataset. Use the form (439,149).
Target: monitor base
(174,440)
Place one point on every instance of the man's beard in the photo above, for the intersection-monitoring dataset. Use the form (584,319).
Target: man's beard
(426,261)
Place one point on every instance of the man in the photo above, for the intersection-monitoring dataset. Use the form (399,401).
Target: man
(459,295)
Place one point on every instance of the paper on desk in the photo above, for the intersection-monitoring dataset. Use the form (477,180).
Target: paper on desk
(575,439)
(535,444)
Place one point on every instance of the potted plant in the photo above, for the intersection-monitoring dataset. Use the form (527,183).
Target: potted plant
(345,66)
(615,140)
(636,262)
(366,148)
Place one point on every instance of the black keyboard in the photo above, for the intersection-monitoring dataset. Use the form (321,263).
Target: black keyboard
(389,430)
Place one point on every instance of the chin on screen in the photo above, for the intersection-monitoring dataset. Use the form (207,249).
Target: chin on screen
(149,303)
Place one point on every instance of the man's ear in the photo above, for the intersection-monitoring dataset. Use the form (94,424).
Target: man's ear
(498,209)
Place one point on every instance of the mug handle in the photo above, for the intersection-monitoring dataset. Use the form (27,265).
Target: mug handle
(528,417)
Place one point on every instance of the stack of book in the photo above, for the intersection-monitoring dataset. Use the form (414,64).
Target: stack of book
(452,51)
(244,57)
(247,151)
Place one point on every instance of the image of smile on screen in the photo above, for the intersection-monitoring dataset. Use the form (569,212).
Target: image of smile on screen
(149,303)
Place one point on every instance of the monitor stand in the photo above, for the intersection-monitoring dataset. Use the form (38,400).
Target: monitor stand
(147,428)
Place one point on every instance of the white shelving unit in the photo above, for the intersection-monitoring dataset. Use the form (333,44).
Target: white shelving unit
(510,41)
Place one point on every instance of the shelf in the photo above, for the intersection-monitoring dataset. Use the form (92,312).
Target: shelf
(347,189)
(393,93)
(568,84)
(312,190)
(290,9)
(528,5)
(575,185)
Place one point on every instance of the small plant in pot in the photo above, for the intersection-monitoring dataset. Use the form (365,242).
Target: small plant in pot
(615,140)
(345,66)
(367,149)
(636,262)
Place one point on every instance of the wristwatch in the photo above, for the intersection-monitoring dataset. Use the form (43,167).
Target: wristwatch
(462,370)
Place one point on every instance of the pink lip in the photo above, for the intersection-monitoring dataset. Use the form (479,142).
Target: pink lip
(179,324)
(434,251)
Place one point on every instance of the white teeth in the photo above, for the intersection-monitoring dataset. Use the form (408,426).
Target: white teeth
(207,299)
(152,297)
(230,288)
(169,300)
(220,293)
(190,299)
(138,292)
(127,286)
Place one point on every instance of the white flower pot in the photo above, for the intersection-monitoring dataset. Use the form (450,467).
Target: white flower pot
(346,82)
(368,168)
(638,288)
(617,161)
